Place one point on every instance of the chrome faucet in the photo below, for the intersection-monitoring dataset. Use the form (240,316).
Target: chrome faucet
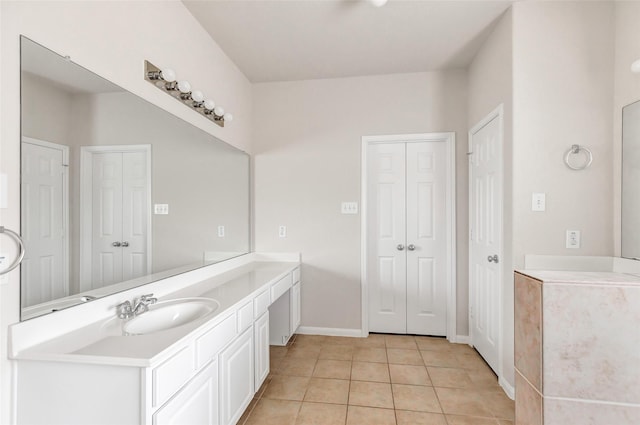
(141,305)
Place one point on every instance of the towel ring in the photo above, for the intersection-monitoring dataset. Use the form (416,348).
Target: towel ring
(18,239)
(576,150)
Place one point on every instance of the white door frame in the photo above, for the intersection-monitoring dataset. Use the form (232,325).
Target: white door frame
(499,114)
(450,140)
(65,198)
(86,209)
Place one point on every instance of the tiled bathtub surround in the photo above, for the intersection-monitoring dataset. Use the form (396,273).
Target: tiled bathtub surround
(580,330)
(382,379)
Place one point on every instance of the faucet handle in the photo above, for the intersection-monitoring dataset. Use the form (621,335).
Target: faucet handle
(124,310)
(148,299)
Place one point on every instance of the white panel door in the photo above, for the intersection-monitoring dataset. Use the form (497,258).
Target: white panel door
(386,230)
(485,209)
(106,225)
(44,230)
(426,238)
(135,212)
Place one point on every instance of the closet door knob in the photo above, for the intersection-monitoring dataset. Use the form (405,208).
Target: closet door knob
(125,244)
(400,247)
(116,244)
(411,247)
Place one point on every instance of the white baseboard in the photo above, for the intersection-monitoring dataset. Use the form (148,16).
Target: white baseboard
(508,388)
(462,339)
(310,330)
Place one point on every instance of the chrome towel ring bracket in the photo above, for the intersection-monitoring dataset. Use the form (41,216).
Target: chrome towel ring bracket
(18,239)
(580,151)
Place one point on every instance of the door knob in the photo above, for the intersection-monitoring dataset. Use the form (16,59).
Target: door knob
(125,244)
(411,247)
(400,247)
(116,244)
(493,258)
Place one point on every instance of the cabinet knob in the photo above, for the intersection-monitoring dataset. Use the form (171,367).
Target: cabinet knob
(400,247)
(116,244)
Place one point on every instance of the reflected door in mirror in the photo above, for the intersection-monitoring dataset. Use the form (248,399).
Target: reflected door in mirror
(118,184)
(44,222)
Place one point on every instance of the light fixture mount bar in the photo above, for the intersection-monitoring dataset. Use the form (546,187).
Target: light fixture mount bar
(153,75)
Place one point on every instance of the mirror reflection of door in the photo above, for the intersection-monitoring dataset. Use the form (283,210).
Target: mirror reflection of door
(115,210)
(45,191)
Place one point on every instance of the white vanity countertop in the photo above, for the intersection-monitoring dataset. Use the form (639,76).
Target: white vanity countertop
(103,343)
(583,277)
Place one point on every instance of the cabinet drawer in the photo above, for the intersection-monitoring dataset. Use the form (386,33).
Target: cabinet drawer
(245,316)
(261,303)
(197,401)
(280,287)
(172,374)
(296,275)
(209,344)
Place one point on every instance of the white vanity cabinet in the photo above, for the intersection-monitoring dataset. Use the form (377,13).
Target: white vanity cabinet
(208,375)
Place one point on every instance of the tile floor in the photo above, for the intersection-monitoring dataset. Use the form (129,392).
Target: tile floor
(380,380)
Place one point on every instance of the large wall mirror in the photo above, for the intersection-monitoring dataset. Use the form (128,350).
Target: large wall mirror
(631,181)
(115,191)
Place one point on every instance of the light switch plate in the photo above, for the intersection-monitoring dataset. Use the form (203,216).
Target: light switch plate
(349,208)
(282,231)
(538,202)
(161,209)
(221,231)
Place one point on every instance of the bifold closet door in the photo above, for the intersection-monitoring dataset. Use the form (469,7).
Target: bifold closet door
(426,238)
(386,230)
(407,241)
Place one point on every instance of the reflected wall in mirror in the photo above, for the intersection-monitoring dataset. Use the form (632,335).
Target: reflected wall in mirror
(631,181)
(116,192)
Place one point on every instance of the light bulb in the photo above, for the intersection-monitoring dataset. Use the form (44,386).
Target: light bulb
(184,86)
(228,117)
(378,3)
(168,75)
(209,104)
(197,96)
(219,111)
(635,67)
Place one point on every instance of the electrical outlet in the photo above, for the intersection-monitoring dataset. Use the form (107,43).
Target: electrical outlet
(282,231)
(221,231)
(573,239)
(349,208)
(161,209)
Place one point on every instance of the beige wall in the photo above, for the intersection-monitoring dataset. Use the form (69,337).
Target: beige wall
(490,84)
(307,144)
(626,90)
(111,39)
(563,82)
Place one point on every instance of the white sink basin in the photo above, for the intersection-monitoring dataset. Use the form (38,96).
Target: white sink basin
(170,314)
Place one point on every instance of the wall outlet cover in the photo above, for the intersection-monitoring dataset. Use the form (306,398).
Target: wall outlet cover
(282,231)
(573,239)
(538,202)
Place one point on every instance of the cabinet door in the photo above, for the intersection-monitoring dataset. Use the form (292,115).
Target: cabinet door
(195,404)
(295,308)
(261,340)
(236,378)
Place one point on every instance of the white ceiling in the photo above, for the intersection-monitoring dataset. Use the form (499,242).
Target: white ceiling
(284,40)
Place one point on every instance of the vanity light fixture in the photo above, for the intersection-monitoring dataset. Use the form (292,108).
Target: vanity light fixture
(165,79)
(635,67)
